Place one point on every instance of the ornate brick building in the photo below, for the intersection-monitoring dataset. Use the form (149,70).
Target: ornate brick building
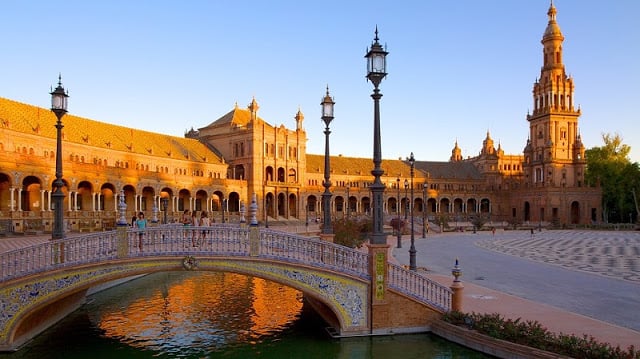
(219,167)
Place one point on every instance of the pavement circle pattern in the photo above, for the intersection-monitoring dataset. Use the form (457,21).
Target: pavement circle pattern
(612,254)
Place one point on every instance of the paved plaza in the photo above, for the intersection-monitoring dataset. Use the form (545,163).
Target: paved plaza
(615,254)
(593,273)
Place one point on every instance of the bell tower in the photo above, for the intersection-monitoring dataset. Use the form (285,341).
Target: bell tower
(554,155)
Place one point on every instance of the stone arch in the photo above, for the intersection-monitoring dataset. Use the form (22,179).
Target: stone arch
(366,204)
(269,201)
(293,205)
(216,201)
(485,206)
(84,200)
(472,204)
(201,201)
(5,194)
(280,174)
(30,194)
(184,196)
(575,212)
(432,205)
(458,206)
(444,205)
(148,200)
(293,175)
(233,205)
(108,197)
(269,175)
(345,296)
(312,204)
(281,205)
(238,172)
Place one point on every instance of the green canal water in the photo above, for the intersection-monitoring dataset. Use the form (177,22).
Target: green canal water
(213,315)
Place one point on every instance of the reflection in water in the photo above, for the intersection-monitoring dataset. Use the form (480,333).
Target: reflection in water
(199,311)
(213,315)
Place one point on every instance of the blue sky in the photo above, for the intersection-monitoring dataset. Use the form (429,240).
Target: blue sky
(456,68)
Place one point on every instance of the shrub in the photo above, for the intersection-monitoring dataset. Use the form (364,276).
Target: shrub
(350,233)
(533,334)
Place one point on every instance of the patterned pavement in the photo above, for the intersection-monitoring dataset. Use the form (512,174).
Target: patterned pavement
(608,253)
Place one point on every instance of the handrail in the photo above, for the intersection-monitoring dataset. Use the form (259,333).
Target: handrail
(419,287)
(172,240)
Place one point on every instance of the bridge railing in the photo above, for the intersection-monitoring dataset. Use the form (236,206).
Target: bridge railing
(313,252)
(58,254)
(419,287)
(172,240)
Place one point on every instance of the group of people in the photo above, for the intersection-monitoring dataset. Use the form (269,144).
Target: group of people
(191,219)
(188,219)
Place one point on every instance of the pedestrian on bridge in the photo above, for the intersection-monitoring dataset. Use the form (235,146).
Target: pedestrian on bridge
(204,222)
(141,224)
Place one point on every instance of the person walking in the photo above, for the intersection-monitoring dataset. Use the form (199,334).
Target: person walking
(204,222)
(141,224)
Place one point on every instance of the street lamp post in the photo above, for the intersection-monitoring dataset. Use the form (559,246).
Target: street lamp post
(59,107)
(406,202)
(398,214)
(424,210)
(376,71)
(327,116)
(348,203)
(412,250)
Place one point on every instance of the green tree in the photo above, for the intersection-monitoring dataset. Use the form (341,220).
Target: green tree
(610,166)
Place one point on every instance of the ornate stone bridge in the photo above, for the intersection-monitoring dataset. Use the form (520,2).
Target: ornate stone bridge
(42,284)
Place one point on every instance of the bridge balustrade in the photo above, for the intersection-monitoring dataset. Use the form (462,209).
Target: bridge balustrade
(58,254)
(298,249)
(419,287)
(217,240)
(171,240)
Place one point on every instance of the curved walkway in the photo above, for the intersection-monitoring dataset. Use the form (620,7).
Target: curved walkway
(574,282)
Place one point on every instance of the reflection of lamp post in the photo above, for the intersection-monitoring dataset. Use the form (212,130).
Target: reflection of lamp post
(327,115)
(376,71)
(59,107)
(398,214)
(164,202)
(412,250)
(424,210)
(406,202)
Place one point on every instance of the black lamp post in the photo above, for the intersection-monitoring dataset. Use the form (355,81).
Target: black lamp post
(348,203)
(59,107)
(398,202)
(164,202)
(376,71)
(412,250)
(406,199)
(424,210)
(327,116)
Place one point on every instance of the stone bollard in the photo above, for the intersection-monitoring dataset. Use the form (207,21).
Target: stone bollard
(457,288)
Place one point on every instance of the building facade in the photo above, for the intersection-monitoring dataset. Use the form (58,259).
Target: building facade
(220,167)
